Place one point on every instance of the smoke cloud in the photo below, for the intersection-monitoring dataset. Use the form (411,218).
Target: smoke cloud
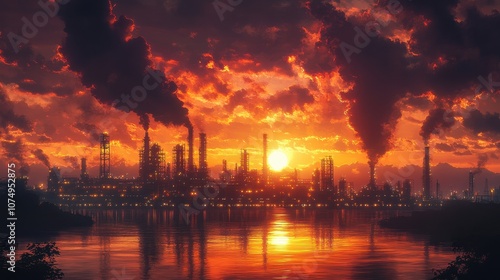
(482,159)
(379,70)
(116,66)
(40,155)
(73,161)
(443,56)
(438,120)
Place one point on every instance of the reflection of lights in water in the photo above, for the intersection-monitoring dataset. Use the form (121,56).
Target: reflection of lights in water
(279,233)
(279,240)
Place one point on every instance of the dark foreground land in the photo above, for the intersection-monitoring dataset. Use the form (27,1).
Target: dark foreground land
(32,218)
(472,228)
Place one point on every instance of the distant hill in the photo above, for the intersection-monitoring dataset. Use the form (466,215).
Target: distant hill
(449,177)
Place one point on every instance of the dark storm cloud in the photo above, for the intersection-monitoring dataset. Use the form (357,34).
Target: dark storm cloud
(417,102)
(464,153)
(33,64)
(294,97)
(114,65)
(14,150)
(444,147)
(257,35)
(90,129)
(438,120)
(479,122)
(456,51)
(10,118)
(447,56)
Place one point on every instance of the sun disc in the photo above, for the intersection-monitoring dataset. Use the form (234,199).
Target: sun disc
(277,160)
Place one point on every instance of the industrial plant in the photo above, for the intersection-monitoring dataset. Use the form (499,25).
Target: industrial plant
(166,182)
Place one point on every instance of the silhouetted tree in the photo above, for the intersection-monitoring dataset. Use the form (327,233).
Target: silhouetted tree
(37,264)
(479,259)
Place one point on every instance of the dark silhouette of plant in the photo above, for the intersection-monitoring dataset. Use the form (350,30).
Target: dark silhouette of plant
(479,259)
(37,264)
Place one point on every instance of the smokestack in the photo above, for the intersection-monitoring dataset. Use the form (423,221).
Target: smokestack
(203,154)
(145,169)
(437,189)
(104,157)
(190,149)
(264,159)
(471,184)
(84,166)
(427,174)
(372,175)
(486,188)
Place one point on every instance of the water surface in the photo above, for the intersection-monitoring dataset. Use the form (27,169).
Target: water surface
(246,244)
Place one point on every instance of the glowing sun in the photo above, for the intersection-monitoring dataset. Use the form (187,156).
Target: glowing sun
(277,160)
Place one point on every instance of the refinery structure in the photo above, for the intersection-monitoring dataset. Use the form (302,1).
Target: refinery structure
(177,180)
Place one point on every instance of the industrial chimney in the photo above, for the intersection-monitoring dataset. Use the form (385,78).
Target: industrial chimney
(264,159)
(190,150)
(203,155)
(84,167)
(84,174)
(104,157)
(427,175)
(471,184)
(372,175)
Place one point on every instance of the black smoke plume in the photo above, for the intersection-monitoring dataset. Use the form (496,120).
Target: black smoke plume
(144,121)
(381,74)
(40,155)
(445,55)
(438,120)
(100,47)
(73,161)
(482,159)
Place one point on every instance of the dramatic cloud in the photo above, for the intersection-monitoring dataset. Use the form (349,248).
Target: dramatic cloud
(9,118)
(116,66)
(293,97)
(14,150)
(479,122)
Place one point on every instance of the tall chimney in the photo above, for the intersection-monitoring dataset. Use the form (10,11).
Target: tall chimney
(190,149)
(146,170)
(203,154)
(264,159)
(84,167)
(437,189)
(372,175)
(427,175)
(104,157)
(471,184)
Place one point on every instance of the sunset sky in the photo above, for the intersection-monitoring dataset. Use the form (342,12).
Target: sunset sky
(254,67)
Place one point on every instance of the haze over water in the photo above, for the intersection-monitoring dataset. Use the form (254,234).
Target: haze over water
(246,244)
